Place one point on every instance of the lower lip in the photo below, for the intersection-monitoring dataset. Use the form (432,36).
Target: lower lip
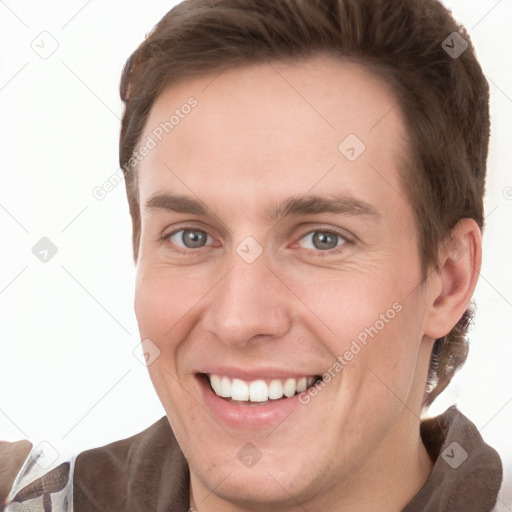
(269,414)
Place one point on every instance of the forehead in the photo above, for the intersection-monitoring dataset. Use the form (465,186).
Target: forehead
(275,129)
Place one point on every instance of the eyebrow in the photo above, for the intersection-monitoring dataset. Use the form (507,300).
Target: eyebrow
(176,203)
(308,205)
(293,206)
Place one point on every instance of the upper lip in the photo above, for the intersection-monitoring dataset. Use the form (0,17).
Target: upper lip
(256,373)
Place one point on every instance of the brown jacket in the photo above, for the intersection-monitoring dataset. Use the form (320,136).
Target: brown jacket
(148,473)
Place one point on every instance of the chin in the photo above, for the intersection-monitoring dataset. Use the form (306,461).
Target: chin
(258,488)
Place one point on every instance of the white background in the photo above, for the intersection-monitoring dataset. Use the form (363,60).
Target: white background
(67,369)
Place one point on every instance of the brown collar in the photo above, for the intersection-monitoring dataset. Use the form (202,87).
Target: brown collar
(467,472)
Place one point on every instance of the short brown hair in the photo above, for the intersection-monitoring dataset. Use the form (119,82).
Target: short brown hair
(444,98)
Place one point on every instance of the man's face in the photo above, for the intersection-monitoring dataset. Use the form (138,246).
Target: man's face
(288,252)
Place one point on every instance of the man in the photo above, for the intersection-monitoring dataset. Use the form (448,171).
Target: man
(305,182)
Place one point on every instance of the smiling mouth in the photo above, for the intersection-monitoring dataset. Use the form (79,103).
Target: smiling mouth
(260,391)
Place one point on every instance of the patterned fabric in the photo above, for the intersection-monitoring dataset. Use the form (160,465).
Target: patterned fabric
(44,483)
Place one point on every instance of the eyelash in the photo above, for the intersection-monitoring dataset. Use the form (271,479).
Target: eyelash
(345,238)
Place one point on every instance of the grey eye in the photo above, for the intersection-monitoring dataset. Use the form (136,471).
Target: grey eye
(189,238)
(322,240)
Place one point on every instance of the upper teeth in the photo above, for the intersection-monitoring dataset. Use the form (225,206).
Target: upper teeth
(258,390)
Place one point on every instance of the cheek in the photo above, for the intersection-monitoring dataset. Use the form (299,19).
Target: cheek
(385,369)
(167,306)
(164,298)
(160,309)
(373,323)
(343,306)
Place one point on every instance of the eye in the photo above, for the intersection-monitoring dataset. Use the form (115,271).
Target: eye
(190,238)
(322,240)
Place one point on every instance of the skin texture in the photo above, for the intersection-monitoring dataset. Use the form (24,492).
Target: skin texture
(259,135)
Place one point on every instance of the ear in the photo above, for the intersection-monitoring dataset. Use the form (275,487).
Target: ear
(452,286)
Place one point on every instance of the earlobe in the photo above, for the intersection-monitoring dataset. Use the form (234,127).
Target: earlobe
(460,259)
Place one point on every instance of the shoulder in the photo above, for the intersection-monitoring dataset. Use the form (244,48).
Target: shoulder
(142,472)
(127,474)
(467,472)
(34,477)
(12,457)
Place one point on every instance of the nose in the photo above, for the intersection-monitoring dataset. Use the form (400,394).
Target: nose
(249,303)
